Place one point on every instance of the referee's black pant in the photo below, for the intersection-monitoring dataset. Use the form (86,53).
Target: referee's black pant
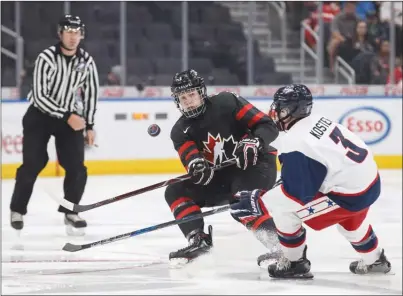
(37,130)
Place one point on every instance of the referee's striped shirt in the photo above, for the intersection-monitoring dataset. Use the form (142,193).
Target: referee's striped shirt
(56,81)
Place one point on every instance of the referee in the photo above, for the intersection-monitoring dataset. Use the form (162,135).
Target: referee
(60,71)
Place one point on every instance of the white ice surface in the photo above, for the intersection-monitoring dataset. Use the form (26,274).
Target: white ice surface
(35,263)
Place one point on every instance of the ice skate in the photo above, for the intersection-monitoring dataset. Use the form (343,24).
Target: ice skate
(199,244)
(382,265)
(75,225)
(16,221)
(286,269)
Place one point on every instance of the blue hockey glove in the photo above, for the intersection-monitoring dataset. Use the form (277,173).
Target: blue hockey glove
(248,207)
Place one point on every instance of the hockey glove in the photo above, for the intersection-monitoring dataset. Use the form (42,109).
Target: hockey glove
(247,152)
(248,206)
(200,171)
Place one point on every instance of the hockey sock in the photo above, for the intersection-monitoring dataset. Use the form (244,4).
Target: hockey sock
(183,207)
(292,244)
(363,240)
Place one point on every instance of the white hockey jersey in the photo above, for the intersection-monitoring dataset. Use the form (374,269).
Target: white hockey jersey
(320,157)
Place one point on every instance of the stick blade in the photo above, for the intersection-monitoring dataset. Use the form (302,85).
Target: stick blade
(82,208)
(72,248)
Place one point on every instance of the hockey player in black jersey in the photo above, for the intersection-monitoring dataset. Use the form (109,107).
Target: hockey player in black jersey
(212,130)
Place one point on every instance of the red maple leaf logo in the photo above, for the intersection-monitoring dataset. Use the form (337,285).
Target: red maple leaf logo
(219,149)
(208,152)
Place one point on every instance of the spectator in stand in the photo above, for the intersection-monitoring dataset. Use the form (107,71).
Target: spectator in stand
(343,27)
(362,67)
(380,64)
(330,10)
(376,30)
(385,17)
(114,75)
(112,79)
(350,48)
(363,7)
(398,72)
(360,39)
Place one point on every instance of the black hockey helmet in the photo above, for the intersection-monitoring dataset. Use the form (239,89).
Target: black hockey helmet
(71,23)
(293,101)
(187,82)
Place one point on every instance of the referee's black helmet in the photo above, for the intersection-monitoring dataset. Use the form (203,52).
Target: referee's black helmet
(71,23)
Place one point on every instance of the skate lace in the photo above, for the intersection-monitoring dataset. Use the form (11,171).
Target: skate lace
(283,264)
(192,243)
(362,266)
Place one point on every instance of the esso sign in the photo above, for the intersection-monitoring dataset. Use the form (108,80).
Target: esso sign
(371,124)
(11,144)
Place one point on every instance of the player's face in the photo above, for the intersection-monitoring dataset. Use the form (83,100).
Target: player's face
(276,113)
(190,100)
(71,38)
(284,115)
(280,116)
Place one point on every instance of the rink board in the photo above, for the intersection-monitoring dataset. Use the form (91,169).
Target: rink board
(126,148)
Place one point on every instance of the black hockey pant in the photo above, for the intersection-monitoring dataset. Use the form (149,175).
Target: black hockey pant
(37,130)
(186,198)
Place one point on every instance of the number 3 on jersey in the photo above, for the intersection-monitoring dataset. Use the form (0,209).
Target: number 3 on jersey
(355,153)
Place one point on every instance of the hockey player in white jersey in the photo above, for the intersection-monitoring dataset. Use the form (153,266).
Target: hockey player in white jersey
(328,177)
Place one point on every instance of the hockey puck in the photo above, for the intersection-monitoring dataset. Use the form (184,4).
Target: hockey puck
(154,130)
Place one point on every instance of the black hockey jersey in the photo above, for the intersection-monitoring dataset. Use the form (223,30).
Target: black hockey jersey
(215,134)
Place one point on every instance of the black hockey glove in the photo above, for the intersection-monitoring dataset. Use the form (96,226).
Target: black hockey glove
(200,171)
(247,152)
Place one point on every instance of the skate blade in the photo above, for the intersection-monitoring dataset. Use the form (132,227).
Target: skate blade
(72,231)
(305,276)
(391,272)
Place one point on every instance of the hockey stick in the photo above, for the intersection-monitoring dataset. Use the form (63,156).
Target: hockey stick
(74,248)
(82,208)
